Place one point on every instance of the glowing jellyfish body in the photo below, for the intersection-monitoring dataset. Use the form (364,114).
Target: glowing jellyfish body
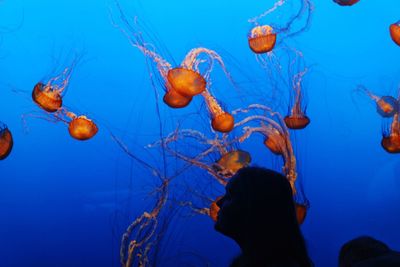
(46,97)
(231,162)
(394,30)
(174,99)
(301,212)
(186,82)
(223,122)
(262,39)
(297,122)
(391,143)
(273,146)
(82,128)
(297,118)
(346,2)
(6,141)
(387,106)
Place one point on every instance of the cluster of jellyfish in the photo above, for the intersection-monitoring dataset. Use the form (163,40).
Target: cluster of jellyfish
(216,151)
(48,96)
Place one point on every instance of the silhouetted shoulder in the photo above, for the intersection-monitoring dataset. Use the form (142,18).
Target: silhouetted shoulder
(388,260)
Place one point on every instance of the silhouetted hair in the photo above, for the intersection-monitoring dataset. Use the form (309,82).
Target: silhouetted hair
(270,216)
(360,249)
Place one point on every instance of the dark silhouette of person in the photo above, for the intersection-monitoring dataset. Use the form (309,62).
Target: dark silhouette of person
(258,212)
(365,251)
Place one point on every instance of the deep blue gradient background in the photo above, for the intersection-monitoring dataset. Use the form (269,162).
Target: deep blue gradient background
(65,203)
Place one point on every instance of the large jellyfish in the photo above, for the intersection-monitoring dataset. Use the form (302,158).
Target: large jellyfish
(263,38)
(6,141)
(394,30)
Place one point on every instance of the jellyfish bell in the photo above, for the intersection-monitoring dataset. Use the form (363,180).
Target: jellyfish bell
(346,2)
(175,100)
(387,106)
(231,162)
(186,82)
(391,143)
(223,122)
(395,32)
(6,141)
(82,128)
(297,122)
(301,212)
(273,146)
(46,98)
(214,209)
(262,39)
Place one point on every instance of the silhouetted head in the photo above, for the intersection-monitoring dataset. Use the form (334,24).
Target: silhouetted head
(258,212)
(361,249)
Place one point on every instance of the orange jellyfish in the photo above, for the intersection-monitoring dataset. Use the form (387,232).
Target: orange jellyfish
(386,106)
(48,96)
(395,32)
(231,162)
(6,141)
(262,38)
(221,121)
(391,139)
(297,119)
(346,2)
(181,83)
(186,82)
(174,99)
(81,128)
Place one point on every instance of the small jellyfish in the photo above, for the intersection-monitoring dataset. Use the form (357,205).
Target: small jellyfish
(81,128)
(231,162)
(386,106)
(297,121)
(48,96)
(391,139)
(6,141)
(297,118)
(262,39)
(395,32)
(346,2)
(214,209)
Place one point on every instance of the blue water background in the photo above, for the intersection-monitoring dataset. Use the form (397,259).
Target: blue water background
(66,203)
